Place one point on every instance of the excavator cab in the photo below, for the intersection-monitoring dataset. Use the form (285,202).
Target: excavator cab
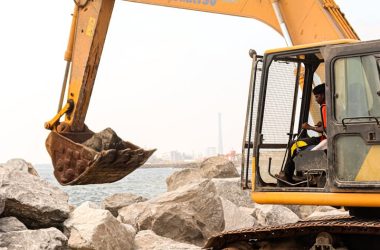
(347,172)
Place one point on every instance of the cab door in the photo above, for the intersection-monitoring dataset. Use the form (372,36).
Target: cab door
(353,101)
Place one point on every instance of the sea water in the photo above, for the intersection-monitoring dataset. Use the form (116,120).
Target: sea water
(147,182)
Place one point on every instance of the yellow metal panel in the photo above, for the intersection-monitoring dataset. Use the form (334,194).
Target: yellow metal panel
(370,169)
(307,21)
(311,21)
(90,32)
(75,87)
(70,43)
(298,144)
(253,173)
(258,9)
(323,199)
(311,45)
(91,26)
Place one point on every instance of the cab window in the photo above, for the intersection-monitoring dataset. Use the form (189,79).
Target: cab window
(357,87)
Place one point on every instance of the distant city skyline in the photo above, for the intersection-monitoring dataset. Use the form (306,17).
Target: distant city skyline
(175,155)
(220,134)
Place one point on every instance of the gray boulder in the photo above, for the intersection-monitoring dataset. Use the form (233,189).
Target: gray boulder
(104,140)
(32,200)
(48,238)
(304,211)
(218,167)
(247,210)
(93,228)
(236,218)
(148,240)
(273,215)
(183,177)
(230,189)
(20,165)
(116,201)
(191,213)
(326,211)
(2,204)
(9,224)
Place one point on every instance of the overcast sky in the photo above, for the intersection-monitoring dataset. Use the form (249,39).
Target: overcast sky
(164,76)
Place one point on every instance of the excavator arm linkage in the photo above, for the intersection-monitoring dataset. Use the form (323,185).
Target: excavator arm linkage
(75,160)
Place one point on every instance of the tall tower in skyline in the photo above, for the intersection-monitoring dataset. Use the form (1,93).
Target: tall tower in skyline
(220,138)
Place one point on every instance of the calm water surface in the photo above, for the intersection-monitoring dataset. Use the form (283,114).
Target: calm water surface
(147,182)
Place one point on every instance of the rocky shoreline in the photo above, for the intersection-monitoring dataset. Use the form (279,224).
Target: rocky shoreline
(200,202)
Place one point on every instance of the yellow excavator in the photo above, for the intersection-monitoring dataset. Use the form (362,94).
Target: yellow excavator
(69,144)
(323,48)
(343,173)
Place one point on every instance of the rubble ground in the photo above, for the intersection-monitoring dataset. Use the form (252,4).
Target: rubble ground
(199,202)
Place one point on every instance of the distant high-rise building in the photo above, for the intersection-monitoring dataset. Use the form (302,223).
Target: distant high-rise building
(220,138)
(176,156)
(210,151)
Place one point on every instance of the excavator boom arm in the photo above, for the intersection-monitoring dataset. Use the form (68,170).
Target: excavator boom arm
(79,155)
(307,21)
(89,35)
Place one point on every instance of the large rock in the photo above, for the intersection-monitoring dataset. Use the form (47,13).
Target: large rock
(191,213)
(94,228)
(49,238)
(9,224)
(230,189)
(236,218)
(183,177)
(273,215)
(218,167)
(32,200)
(2,204)
(104,140)
(116,201)
(148,240)
(326,211)
(304,211)
(247,210)
(20,165)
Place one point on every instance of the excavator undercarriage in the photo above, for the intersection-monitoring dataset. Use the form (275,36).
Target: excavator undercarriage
(322,233)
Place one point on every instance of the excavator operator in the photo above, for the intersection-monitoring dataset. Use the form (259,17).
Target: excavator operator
(319,94)
(304,142)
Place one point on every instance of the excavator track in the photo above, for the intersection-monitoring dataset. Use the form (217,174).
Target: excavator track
(77,164)
(349,232)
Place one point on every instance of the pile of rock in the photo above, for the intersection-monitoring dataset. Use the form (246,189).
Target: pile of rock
(200,202)
(32,209)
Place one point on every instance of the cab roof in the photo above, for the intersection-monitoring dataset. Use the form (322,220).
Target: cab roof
(311,45)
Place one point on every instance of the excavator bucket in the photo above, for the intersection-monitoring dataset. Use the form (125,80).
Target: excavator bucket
(89,158)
